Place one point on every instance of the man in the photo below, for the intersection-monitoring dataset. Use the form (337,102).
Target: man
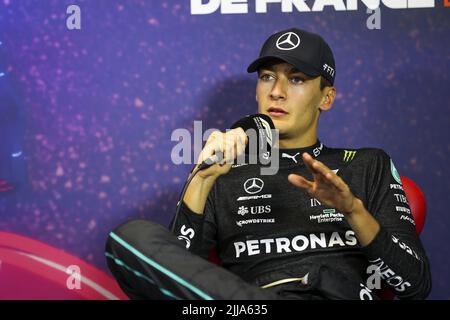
(325,225)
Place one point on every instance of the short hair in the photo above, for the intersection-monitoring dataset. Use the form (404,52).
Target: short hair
(324,83)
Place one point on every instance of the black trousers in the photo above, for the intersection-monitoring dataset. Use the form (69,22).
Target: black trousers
(150,263)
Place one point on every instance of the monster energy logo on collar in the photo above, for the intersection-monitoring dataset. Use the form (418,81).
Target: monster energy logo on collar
(395,173)
(349,155)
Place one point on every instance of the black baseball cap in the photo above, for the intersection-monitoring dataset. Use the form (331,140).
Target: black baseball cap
(306,51)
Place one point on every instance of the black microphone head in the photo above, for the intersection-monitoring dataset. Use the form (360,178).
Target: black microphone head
(260,124)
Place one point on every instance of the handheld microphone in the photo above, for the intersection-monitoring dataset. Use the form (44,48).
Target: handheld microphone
(262,124)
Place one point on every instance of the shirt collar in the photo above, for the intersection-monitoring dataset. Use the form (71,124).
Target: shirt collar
(294,155)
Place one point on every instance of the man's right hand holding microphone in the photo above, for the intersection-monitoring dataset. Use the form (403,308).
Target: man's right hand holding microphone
(226,146)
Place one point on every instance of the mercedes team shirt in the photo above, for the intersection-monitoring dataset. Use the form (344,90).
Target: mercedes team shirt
(265,229)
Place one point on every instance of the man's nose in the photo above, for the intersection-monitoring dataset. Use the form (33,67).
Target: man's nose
(278,90)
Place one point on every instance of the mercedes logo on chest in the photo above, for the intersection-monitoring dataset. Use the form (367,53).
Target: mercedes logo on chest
(288,41)
(253,185)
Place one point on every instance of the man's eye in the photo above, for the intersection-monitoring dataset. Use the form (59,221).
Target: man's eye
(265,77)
(297,80)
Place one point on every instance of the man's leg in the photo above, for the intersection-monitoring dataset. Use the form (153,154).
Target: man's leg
(150,263)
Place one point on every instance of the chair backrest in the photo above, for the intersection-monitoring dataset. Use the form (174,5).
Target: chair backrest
(416,201)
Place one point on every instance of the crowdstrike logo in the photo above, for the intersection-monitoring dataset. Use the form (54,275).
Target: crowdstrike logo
(261,6)
(288,41)
(240,223)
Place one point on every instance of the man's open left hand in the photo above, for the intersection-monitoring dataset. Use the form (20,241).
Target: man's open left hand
(327,187)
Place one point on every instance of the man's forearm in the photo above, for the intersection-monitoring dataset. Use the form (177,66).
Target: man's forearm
(363,223)
(197,193)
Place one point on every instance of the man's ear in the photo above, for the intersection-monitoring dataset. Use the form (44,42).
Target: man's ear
(328,99)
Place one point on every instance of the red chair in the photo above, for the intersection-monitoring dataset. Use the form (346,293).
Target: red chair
(30,269)
(416,201)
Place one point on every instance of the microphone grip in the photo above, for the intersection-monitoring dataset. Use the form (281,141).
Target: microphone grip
(209,162)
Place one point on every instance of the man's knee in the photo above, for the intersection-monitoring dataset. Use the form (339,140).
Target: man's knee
(139,233)
(132,231)
(130,227)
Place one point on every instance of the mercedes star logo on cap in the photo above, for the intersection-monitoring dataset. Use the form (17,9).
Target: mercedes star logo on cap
(288,41)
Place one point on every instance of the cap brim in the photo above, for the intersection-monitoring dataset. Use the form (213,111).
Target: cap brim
(300,65)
